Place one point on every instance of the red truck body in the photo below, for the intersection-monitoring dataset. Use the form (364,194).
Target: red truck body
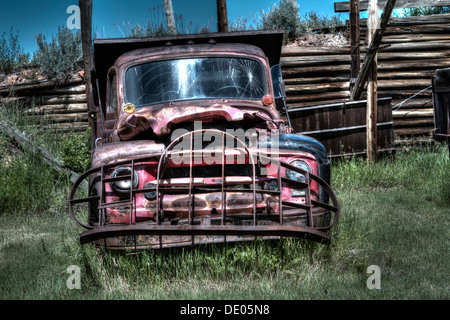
(190,146)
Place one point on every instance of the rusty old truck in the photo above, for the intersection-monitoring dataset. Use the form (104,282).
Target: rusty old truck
(193,146)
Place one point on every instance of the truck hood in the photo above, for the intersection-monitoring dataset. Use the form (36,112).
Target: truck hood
(160,120)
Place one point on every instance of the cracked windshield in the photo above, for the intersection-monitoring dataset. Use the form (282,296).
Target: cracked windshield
(201,78)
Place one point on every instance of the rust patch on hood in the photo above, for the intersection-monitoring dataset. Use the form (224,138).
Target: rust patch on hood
(160,119)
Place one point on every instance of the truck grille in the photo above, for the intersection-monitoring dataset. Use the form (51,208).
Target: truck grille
(258,222)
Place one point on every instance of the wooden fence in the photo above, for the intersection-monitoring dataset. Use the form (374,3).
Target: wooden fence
(58,106)
(314,76)
(415,48)
(341,127)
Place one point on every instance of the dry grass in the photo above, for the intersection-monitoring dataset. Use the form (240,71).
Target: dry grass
(320,40)
(21,76)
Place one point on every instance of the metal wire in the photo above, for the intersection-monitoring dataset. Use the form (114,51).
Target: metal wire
(399,105)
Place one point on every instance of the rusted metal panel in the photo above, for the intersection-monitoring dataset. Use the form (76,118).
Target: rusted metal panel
(194,230)
(341,127)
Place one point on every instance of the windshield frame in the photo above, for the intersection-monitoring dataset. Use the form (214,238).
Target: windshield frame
(267,87)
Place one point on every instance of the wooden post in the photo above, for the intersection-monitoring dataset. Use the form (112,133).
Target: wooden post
(371,113)
(170,17)
(222,19)
(26,143)
(88,59)
(354,40)
(373,48)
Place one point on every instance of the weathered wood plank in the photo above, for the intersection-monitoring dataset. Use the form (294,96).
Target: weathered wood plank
(417,29)
(11,100)
(403,84)
(412,113)
(293,62)
(310,80)
(408,65)
(295,105)
(76,126)
(316,88)
(355,40)
(58,108)
(414,20)
(69,117)
(316,71)
(401,38)
(429,46)
(410,132)
(427,74)
(416,103)
(375,41)
(393,56)
(35,86)
(46,100)
(344,6)
(62,99)
(318,97)
(79,89)
(311,51)
(404,94)
(428,122)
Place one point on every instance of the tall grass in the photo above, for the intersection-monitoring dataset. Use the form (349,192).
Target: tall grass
(29,185)
(422,169)
(389,211)
(394,214)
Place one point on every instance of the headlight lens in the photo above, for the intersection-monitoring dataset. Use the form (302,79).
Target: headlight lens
(297,176)
(123,186)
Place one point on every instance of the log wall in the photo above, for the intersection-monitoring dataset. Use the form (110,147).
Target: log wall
(415,48)
(60,106)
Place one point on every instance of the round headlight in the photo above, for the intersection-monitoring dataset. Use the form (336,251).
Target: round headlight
(297,176)
(123,186)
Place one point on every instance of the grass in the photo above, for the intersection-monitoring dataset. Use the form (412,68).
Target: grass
(28,184)
(394,215)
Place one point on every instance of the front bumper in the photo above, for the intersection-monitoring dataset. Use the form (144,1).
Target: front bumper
(152,236)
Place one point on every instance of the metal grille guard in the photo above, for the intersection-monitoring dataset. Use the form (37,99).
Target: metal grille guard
(158,228)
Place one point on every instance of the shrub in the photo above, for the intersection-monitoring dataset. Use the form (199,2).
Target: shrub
(424,11)
(11,53)
(61,57)
(157,25)
(75,151)
(313,21)
(283,15)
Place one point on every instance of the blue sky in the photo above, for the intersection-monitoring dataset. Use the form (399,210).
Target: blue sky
(31,17)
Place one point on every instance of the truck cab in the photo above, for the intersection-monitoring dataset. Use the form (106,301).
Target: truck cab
(192,145)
